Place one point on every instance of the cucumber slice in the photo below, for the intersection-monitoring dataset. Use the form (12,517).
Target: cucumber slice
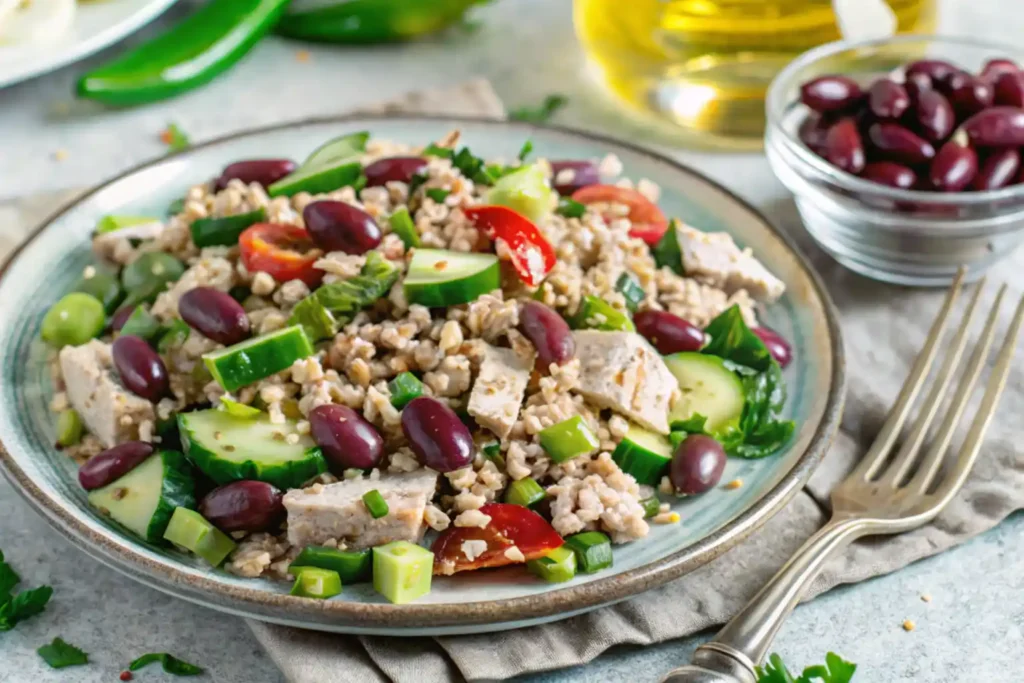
(708,388)
(438,277)
(402,225)
(144,500)
(228,448)
(353,566)
(252,360)
(195,533)
(224,231)
(526,191)
(643,454)
(343,147)
(317,180)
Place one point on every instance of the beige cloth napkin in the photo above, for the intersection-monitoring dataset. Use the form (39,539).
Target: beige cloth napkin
(884,326)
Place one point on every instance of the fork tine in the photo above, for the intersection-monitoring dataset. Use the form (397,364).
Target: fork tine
(911,448)
(932,461)
(873,459)
(996,383)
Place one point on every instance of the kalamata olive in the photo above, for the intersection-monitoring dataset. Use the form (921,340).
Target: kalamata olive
(697,464)
(998,170)
(400,169)
(436,435)
(830,93)
(112,464)
(813,132)
(338,226)
(896,143)
(243,506)
(934,116)
(935,69)
(917,84)
(969,95)
(548,332)
(266,172)
(887,100)
(139,367)
(1009,89)
(780,349)
(996,127)
(567,176)
(994,67)
(954,167)
(890,173)
(667,332)
(346,438)
(843,146)
(214,314)
(121,316)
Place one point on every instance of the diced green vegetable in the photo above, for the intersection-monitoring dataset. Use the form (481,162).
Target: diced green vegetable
(375,503)
(342,147)
(525,492)
(69,428)
(142,324)
(651,506)
(73,320)
(353,566)
(193,532)
(174,335)
(104,286)
(403,226)
(224,230)
(568,439)
(404,388)
(60,654)
(666,252)
(708,388)
(148,275)
(437,277)
(438,194)
(570,208)
(526,191)
(631,291)
(597,314)
(402,571)
(644,455)
(115,222)
(254,359)
(333,165)
(593,551)
(557,566)
(491,449)
(315,320)
(313,582)
(237,409)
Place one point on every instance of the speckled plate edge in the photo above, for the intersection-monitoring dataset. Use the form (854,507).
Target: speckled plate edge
(414,619)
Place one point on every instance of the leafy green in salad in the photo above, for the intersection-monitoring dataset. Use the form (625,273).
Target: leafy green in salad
(835,670)
(667,253)
(59,654)
(170,663)
(731,339)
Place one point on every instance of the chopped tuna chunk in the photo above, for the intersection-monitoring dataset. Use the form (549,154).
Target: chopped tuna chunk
(336,512)
(111,412)
(499,389)
(714,258)
(621,371)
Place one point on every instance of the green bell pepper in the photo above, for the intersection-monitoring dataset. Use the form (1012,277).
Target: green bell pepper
(371,21)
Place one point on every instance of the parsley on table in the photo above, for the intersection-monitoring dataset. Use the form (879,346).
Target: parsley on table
(175,137)
(171,664)
(21,605)
(539,114)
(60,654)
(835,670)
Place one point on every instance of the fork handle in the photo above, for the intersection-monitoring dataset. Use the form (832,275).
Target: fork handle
(731,655)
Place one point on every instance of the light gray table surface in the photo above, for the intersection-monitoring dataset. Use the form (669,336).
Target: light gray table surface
(971,630)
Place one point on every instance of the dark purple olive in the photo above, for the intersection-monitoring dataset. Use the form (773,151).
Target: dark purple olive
(121,316)
(998,170)
(400,169)
(266,172)
(243,506)
(697,464)
(113,463)
(830,93)
(1009,89)
(214,314)
(969,95)
(780,349)
(954,167)
(996,127)
(994,67)
(346,437)
(140,368)
(888,100)
(813,132)
(844,148)
(667,332)
(436,435)
(917,84)
(896,143)
(338,226)
(890,173)
(548,332)
(935,69)
(934,116)
(569,176)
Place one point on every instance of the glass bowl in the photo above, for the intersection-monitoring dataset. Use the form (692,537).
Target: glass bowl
(908,237)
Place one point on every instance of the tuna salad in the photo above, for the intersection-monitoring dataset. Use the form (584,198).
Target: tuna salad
(391,362)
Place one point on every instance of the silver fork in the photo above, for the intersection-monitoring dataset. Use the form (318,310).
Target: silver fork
(887,493)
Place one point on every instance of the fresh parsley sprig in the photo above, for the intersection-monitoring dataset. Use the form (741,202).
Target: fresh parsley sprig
(835,670)
(22,605)
(60,654)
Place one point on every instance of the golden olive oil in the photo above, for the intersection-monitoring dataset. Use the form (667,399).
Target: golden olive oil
(706,64)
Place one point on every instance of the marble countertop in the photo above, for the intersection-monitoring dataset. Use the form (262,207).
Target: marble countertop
(971,629)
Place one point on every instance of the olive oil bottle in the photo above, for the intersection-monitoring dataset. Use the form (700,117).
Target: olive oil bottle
(705,65)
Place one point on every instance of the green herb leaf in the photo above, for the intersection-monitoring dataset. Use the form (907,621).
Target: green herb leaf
(732,340)
(23,605)
(175,138)
(774,671)
(666,252)
(570,208)
(525,150)
(835,670)
(8,580)
(60,654)
(433,150)
(438,194)
(171,664)
(316,321)
(176,207)
(540,114)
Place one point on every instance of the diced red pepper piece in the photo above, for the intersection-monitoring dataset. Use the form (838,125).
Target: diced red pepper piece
(283,251)
(532,255)
(649,223)
(510,525)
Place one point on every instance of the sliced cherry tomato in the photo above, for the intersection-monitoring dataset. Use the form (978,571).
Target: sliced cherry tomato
(649,223)
(532,254)
(283,251)
(510,525)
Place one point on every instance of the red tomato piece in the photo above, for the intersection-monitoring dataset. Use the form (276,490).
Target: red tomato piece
(649,223)
(510,525)
(532,255)
(282,251)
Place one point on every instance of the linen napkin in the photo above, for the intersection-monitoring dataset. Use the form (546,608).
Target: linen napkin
(883,327)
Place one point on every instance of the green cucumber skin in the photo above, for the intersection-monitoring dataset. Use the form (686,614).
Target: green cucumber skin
(327,180)
(353,144)
(646,469)
(224,231)
(285,475)
(234,369)
(454,292)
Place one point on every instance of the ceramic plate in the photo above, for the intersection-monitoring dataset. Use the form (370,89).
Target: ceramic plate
(52,261)
(96,25)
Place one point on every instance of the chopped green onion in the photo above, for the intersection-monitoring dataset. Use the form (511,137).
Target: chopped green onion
(375,503)
(313,582)
(404,388)
(524,492)
(69,428)
(438,194)
(570,208)
(597,314)
(593,551)
(402,225)
(651,506)
(525,150)
(557,566)
(631,291)
(568,439)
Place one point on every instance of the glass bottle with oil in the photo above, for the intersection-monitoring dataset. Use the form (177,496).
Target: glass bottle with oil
(705,65)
